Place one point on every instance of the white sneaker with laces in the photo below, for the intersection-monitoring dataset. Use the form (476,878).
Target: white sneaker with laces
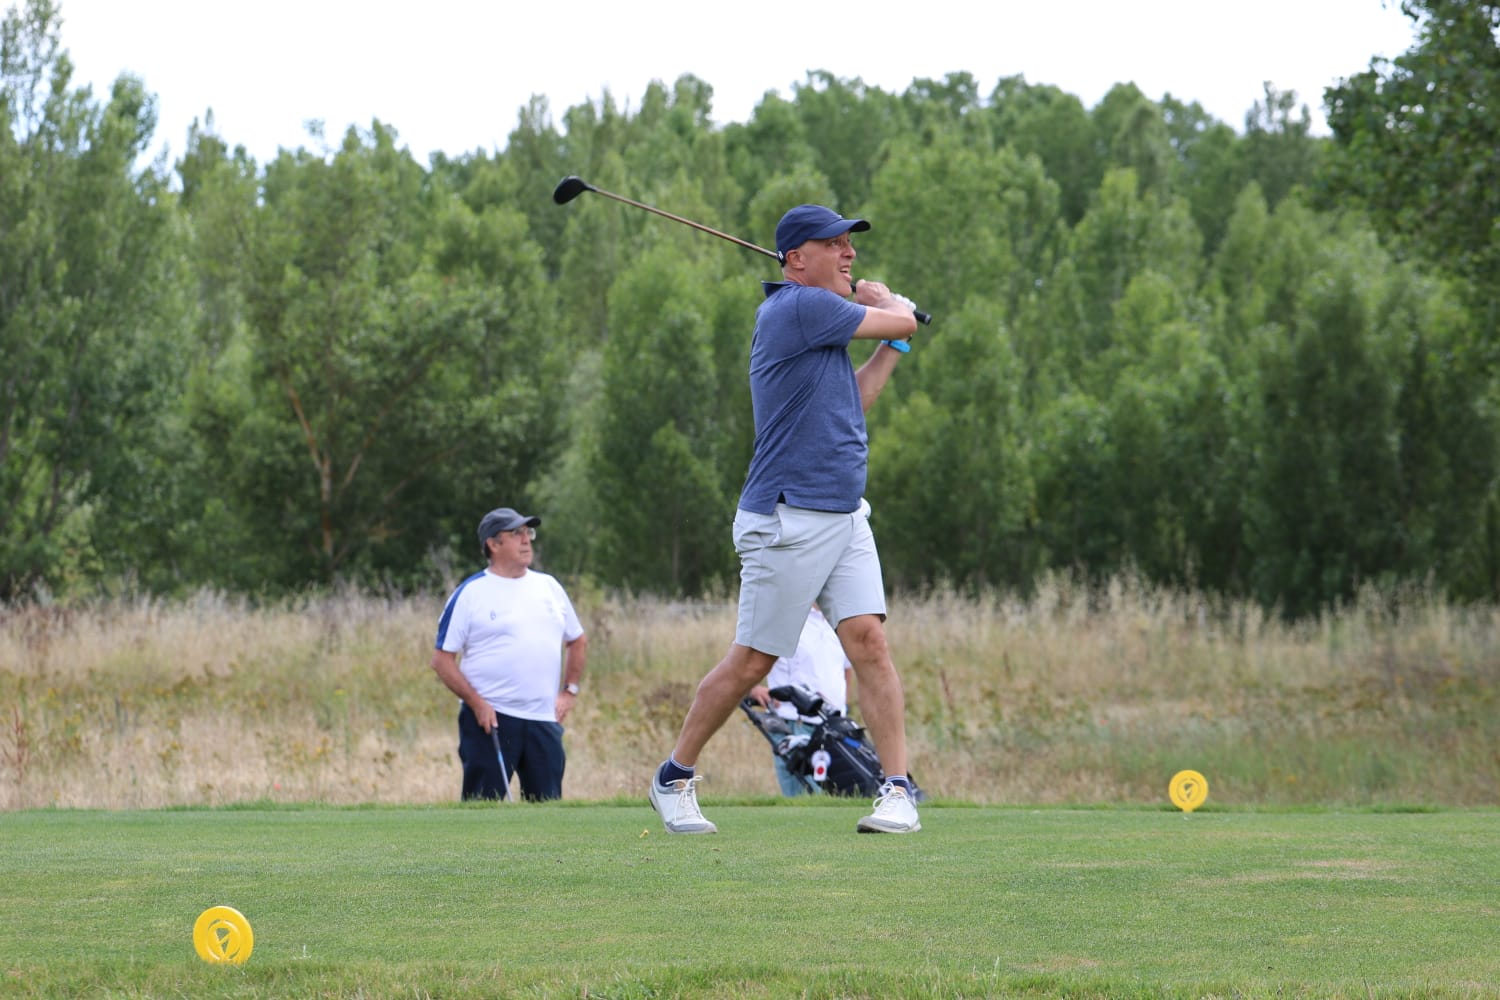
(677,805)
(895,812)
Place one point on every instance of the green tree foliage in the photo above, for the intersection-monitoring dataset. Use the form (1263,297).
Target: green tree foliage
(1342,417)
(951,106)
(1163,346)
(950,481)
(1053,126)
(1279,151)
(1322,515)
(657,472)
(91,301)
(536,157)
(1123,235)
(1134,136)
(1449,448)
(391,390)
(1127,459)
(1210,171)
(989,222)
(1416,139)
(599,237)
(774,141)
(847,123)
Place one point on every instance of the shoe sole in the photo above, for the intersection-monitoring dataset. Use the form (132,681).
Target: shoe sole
(651,798)
(862,828)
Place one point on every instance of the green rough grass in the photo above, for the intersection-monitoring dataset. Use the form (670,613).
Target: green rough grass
(569,899)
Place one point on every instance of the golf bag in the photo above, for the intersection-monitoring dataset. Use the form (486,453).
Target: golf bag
(835,757)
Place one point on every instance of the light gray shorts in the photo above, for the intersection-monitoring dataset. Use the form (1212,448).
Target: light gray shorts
(794,557)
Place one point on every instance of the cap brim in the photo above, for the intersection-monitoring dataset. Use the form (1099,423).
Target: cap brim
(839,228)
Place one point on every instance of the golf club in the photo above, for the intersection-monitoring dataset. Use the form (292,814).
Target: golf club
(495,735)
(571,187)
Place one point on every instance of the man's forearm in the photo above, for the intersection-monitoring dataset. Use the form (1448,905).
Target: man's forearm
(874,374)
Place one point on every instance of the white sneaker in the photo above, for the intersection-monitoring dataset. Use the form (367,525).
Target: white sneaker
(894,812)
(677,805)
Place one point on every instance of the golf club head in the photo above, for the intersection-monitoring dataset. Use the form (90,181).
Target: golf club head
(788,744)
(568,188)
(808,703)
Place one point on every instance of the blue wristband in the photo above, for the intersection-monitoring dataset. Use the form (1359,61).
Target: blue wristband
(899,345)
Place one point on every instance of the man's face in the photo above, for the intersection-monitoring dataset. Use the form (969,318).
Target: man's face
(513,547)
(827,264)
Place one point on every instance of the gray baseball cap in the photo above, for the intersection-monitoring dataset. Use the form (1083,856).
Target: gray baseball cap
(503,519)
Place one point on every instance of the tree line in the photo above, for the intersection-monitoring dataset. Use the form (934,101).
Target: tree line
(1259,362)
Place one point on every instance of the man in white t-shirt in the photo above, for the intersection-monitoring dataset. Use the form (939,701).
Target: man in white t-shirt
(510,646)
(819,664)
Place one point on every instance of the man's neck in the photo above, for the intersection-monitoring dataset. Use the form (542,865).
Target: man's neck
(509,570)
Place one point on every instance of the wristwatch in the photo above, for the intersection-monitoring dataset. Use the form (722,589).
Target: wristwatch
(571,688)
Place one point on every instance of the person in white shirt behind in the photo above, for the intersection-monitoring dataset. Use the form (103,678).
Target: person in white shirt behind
(819,664)
(510,646)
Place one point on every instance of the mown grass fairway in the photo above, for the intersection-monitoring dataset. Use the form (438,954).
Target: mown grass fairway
(595,900)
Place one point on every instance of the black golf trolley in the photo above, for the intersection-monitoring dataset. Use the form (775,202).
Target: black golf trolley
(834,758)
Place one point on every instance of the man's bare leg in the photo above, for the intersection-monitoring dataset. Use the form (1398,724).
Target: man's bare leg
(883,705)
(674,792)
(882,701)
(719,694)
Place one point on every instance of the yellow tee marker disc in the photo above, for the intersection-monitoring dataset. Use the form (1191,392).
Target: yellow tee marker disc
(1188,790)
(222,934)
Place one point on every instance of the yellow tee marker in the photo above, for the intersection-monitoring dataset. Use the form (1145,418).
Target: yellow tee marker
(222,934)
(1188,790)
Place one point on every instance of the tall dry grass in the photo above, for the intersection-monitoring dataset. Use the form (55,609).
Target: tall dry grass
(1072,695)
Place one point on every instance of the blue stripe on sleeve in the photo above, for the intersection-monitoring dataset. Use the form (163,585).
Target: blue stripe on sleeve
(442,632)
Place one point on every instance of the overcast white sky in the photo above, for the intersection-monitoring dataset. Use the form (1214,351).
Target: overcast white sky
(451,75)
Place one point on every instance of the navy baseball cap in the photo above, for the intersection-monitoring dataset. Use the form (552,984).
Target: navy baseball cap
(813,222)
(503,519)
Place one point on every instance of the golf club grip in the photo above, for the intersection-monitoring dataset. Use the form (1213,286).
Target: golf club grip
(924,318)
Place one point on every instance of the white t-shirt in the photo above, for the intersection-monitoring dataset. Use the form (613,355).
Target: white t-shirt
(509,633)
(818,663)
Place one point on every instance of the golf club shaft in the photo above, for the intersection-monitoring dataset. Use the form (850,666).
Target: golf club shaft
(504,774)
(571,187)
(687,222)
